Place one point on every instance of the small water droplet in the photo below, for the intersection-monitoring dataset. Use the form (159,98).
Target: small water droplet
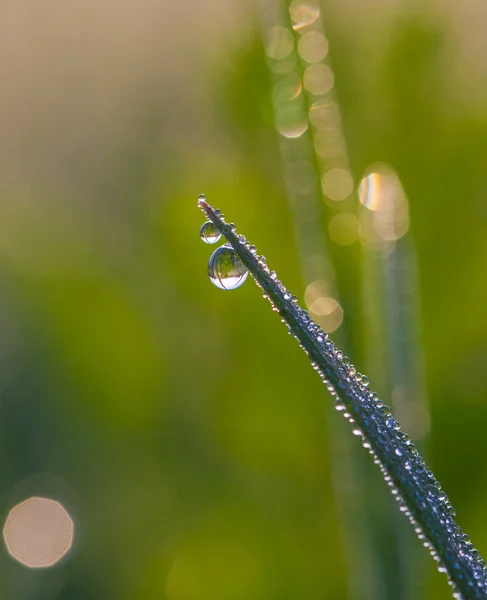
(225,269)
(202,197)
(209,233)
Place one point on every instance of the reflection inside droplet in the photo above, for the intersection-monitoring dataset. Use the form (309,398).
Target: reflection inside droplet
(209,233)
(225,269)
(38,532)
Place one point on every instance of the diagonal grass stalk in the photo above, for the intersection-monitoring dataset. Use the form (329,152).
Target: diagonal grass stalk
(412,483)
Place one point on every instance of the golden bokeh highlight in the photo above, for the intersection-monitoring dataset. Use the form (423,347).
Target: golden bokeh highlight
(344,228)
(388,220)
(303,100)
(280,43)
(318,79)
(303,14)
(337,184)
(324,113)
(324,309)
(312,46)
(38,532)
(370,191)
(290,121)
(315,290)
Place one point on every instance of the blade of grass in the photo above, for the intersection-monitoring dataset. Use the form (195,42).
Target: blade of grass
(413,485)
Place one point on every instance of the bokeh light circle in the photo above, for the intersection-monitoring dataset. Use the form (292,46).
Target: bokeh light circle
(38,532)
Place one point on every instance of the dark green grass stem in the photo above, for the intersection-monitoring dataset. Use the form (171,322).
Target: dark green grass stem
(412,483)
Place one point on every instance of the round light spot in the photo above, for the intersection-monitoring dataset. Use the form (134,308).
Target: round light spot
(313,47)
(303,14)
(38,532)
(315,290)
(344,229)
(381,192)
(324,112)
(323,306)
(327,312)
(337,184)
(318,79)
(291,122)
(280,43)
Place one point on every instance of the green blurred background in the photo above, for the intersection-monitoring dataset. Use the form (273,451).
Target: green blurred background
(179,425)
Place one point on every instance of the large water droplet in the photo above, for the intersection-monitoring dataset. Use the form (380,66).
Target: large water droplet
(209,233)
(225,269)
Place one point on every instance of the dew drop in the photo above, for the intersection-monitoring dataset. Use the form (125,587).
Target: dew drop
(225,269)
(209,233)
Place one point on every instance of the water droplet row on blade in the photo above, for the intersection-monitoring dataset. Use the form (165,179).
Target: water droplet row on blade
(413,485)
